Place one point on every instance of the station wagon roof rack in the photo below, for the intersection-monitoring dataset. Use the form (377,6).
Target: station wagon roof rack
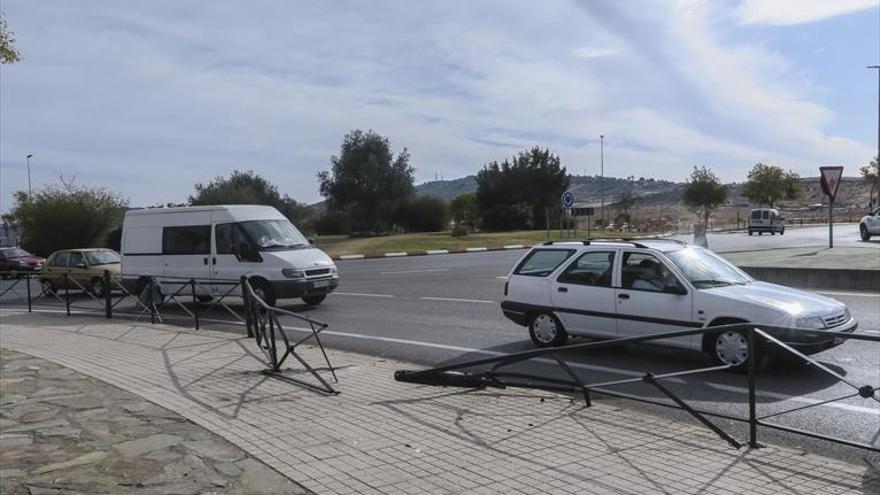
(633,241)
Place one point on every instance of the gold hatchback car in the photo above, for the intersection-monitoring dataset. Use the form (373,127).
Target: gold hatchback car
(84,269)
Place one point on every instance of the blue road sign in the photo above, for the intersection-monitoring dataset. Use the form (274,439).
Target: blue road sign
(567,199)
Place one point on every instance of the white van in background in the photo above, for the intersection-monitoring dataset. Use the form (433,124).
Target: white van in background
(218,244)
(766,220)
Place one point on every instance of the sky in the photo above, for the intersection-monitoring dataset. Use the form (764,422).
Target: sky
(149,98)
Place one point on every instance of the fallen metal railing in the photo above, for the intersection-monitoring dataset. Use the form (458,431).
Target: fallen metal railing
(264,325)
(490,372)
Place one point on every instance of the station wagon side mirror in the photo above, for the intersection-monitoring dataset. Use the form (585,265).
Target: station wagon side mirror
(80,265)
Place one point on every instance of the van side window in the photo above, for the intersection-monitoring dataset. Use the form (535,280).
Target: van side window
(225,238)
(193,239)
(542,262)
(765,215)
(756,215)
(593,268)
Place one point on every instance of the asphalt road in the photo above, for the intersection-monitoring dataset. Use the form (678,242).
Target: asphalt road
(845,235)
(438,309)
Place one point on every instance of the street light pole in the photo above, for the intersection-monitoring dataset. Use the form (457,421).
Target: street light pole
(602,177)
(877,185)
(30,194)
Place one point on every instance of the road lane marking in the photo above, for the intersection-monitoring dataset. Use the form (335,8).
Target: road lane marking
(502,278)
(851,294)
(876,332)
(717,386)
(452,299)
(395,255)
(475,249)
(351,257)
(362,295)
(437,251)
(416,271)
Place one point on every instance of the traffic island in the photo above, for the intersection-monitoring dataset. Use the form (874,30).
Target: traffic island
(848,268)
(381,436)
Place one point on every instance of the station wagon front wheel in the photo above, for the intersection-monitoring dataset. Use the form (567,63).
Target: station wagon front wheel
(546,330)
(731,347)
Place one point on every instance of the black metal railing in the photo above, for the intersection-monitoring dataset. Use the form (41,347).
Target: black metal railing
(491,372)
(169,298)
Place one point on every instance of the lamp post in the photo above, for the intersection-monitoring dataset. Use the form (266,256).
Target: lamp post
(602,177)
(30,194)
(877,185)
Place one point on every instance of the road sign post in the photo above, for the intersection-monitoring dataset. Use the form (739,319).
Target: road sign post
(829,179)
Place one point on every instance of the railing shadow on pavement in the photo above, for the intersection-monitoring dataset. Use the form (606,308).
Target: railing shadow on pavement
(494,372)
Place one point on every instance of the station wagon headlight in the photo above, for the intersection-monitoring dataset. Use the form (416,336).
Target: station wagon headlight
(293,273)
(812,323)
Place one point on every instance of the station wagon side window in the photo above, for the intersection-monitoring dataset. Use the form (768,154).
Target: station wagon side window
(75,260)
(60,259)
(542,262)
(191,239)
(592,268)
(642,271)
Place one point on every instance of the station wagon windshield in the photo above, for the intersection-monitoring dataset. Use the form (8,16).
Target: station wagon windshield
(705,269)
(102,257)
(275,234)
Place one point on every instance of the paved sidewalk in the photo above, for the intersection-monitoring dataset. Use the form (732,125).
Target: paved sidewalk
(380,436)
(65,433)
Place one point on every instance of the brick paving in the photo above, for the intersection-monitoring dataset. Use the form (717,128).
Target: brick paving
(380,436)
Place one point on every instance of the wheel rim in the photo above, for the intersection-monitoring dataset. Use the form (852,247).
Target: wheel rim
(732,348)
(47,286)
(97,287)
(544,328)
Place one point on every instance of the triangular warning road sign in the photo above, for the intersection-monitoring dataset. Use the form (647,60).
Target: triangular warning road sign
(830,180)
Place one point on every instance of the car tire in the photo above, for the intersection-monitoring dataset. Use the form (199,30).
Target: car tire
(760,232)
(750,233)
(863,232)
(546,330)
(314,300)
(782,232)
(96,287)
(731,347)
(264,291)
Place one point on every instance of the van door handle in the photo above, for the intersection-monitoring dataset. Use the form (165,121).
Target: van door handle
(214,260)
(205,260)
(623,296)
(562,289)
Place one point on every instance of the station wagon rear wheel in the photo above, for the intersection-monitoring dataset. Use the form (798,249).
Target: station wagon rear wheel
(48,287)
(97,287)
(547,331)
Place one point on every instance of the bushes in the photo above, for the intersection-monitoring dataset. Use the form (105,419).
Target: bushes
(332,223)
(66,216)
(425,214)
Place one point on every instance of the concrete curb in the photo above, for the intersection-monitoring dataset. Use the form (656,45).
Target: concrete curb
(434,252)
(817,278)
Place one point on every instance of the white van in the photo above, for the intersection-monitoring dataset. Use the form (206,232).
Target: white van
(766,220)
(218,244)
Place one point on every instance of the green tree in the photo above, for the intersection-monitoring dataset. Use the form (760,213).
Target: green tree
(247,188)
(66,216)
(704,192)
(465,211)
(870,173)
(425,214)
(368,182)
(516,193)
(768,185)
(8,53)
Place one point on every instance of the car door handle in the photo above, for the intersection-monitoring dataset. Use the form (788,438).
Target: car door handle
(623,296)
(562,289)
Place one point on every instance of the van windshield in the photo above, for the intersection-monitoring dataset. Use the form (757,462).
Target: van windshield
(274,234)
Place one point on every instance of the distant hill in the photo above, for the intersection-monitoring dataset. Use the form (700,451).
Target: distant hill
(651,192)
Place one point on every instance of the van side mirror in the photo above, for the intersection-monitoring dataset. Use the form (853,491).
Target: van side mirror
(247,253)
(311,240)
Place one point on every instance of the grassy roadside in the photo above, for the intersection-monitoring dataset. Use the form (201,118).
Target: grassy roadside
(338,245)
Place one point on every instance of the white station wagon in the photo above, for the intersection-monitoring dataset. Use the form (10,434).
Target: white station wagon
(616,289)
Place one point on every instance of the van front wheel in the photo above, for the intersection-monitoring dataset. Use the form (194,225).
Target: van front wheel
(264,291)
(314,300)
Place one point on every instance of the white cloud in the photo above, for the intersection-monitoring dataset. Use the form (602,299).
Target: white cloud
(789,12)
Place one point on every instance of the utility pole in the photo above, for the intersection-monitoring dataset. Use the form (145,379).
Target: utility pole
(877,185)
(602,177)
(30,194)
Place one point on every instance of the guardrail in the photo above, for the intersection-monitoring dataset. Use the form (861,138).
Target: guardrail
(756,335)
(190,297)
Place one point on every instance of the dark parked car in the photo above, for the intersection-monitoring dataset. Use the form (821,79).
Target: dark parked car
(13,259)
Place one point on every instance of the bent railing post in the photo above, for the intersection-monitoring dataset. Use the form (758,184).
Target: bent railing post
(28,285)
(753,417)
(195,302)
(67,293)
(108,298)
